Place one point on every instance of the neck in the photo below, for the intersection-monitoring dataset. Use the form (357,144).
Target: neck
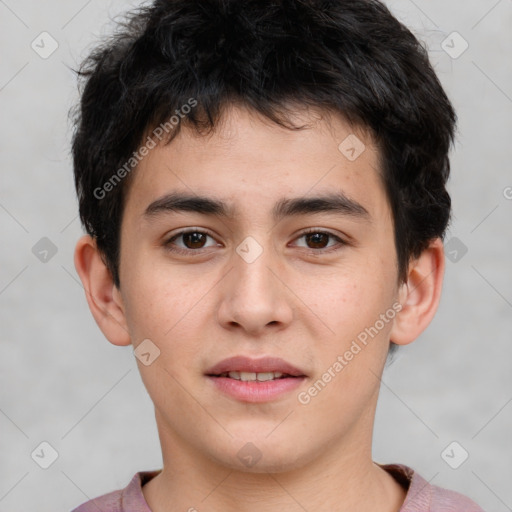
(342,479)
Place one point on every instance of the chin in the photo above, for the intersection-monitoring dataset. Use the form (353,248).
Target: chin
(260,455)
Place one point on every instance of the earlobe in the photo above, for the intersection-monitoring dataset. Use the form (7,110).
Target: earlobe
(102,296)
(420,295)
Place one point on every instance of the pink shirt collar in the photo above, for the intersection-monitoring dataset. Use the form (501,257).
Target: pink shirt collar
(421,495)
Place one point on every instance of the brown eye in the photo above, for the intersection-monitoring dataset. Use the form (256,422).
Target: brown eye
(191,241)
(318,240)
(194,239)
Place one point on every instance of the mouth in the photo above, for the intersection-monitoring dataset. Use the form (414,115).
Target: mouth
(255,380)
(255,376)
(250,369)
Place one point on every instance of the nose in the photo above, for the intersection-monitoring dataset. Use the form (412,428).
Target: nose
(254,296)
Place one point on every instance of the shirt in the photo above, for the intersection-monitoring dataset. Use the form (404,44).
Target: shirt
(421,496)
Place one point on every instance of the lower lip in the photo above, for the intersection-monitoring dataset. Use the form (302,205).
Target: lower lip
(255,391)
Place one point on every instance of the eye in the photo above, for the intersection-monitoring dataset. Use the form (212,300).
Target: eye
(317,240)
(193,239)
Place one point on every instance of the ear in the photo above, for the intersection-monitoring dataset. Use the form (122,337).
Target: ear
(420,295)
(102,295)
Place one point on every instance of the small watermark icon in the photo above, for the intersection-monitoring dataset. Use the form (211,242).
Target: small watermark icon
(507,193)
(44,250)
(44,45)
(146,352)
(249,249)
(352,147)
(455,455)
(249,455)
(454,45)
(455,249)
(44,455)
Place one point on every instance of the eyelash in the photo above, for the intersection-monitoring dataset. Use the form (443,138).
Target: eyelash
(169,247)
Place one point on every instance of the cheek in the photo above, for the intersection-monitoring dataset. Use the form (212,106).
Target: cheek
(351,297)
(161,309)
(358,308)
(169,308)
(159,295)
(350,360)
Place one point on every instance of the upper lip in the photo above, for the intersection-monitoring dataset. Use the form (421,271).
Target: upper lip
(262,365)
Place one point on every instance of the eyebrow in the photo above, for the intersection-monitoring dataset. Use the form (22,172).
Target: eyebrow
(337,203)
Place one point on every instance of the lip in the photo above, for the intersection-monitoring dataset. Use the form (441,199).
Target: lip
(261,365)
(255,391)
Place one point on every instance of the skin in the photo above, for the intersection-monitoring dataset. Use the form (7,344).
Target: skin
(297,301)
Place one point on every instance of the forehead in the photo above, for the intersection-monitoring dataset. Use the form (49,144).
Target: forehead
(250,161)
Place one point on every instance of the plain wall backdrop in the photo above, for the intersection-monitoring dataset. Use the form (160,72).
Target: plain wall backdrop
(62,383)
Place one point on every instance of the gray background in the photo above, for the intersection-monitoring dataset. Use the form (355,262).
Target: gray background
(63,383)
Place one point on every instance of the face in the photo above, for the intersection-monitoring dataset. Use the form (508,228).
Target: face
(262,271)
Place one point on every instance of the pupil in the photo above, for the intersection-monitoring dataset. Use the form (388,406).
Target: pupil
(317,238)
(195,238)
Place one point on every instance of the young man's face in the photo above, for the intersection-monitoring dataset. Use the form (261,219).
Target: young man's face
(257,286)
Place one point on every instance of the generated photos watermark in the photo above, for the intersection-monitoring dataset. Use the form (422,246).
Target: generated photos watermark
(143,150)
(361,341)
